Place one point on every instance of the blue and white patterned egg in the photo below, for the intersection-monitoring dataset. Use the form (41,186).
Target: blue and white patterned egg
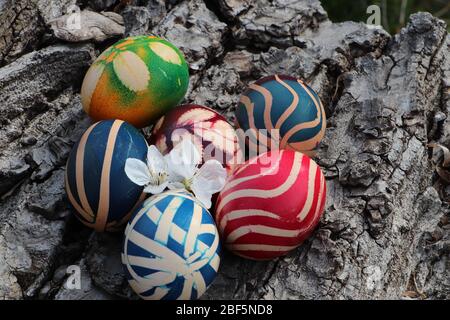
(96,183)
(289,111)
(171,249)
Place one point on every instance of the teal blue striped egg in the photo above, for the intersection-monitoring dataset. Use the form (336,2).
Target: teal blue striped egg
(282,111)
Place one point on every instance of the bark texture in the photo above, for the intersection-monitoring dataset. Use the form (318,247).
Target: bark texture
(385,231)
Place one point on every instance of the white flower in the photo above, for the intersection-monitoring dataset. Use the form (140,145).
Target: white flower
(184,172)
(178,170)
(153,175)
(209,180)
(183,161)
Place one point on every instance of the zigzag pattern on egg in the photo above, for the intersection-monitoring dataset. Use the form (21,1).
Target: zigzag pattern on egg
(96,183)
(286,104)
(171,248)
(271,204)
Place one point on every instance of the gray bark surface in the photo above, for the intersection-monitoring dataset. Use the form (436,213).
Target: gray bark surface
(385,231)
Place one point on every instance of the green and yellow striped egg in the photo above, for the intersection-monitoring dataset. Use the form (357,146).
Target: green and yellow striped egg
(136,80)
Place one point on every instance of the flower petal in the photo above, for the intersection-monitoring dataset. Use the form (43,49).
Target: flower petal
(209,179)
(137,171)
(211,176)
(176,185)
(183,159)
(156,161)
(156,189)
(173,175)
(189,152)
(202,195)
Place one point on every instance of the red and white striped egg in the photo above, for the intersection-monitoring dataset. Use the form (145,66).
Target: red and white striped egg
(271,204)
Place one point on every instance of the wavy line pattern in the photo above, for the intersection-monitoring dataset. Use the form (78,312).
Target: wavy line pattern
(171,248)
(263,214)
(286,104)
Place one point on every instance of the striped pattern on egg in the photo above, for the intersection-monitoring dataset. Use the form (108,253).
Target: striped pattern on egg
(288,110)
(96,183)
(271,204)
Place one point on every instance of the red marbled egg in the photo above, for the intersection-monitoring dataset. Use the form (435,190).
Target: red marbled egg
(271,204)
(212,134)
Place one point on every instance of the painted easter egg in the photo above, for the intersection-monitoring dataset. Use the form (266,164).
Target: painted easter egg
(136,80)
(271,204)
(214,137)
(282,111)
(96,183)
(171,248)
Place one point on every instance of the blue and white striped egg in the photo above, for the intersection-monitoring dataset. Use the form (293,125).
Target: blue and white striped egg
(96,183)
(283,111)
(171,249)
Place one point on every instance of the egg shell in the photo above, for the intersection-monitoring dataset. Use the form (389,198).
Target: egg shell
(271,204)
(171,248)
(208,129)
(287,105)
(137,80)
(96,183)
